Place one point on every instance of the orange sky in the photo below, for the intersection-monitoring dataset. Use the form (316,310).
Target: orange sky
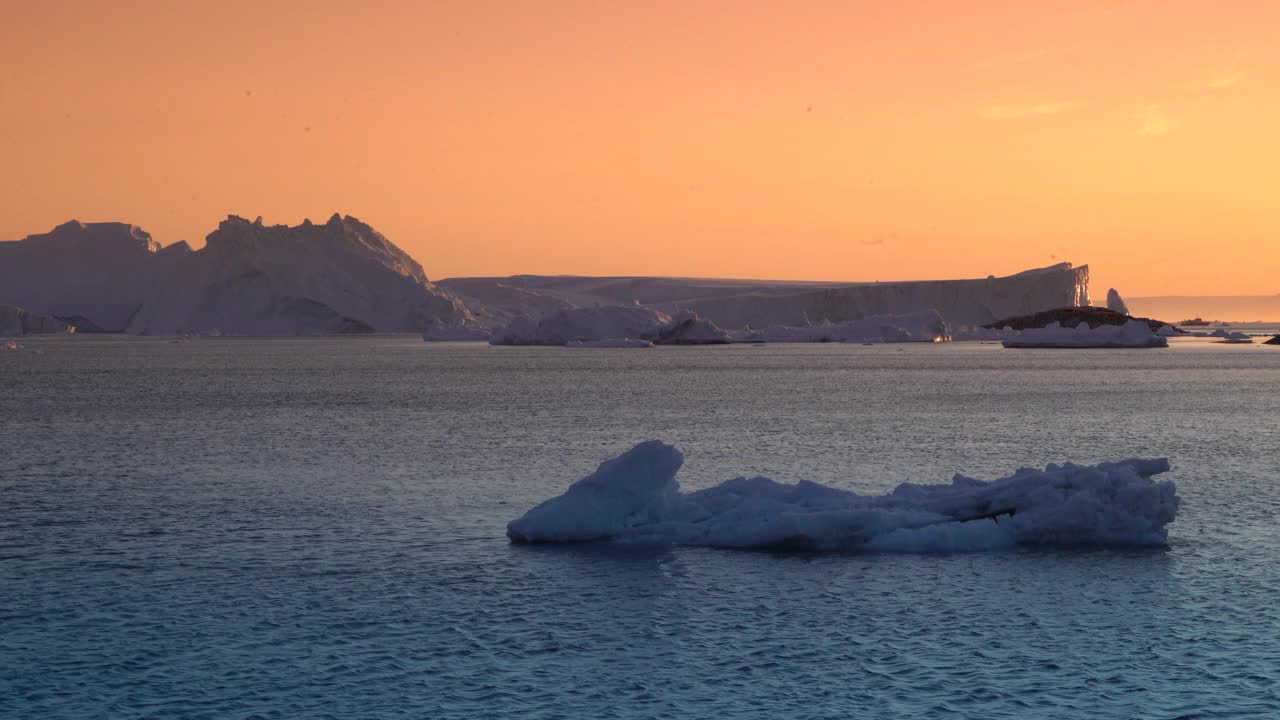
(824,140)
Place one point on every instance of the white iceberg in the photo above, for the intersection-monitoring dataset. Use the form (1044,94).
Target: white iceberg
(1117,303)
(249,279)
(636,498)
(1132,334)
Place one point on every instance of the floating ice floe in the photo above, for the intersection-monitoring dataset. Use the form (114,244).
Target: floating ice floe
(609,343)
(635,498)
(979,333)
(1132,334)
(586,324)
(437,331)
(924,326)
(1233,338)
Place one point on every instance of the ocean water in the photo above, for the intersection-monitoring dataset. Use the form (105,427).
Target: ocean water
(314,528)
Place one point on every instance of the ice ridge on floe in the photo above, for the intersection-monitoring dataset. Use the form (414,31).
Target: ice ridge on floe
(636,498)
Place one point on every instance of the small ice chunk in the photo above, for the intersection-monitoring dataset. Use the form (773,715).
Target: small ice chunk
(609,343)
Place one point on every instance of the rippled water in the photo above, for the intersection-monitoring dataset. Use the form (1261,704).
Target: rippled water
(236,528)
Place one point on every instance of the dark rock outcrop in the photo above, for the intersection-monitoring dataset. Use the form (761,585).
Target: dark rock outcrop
(1071,317)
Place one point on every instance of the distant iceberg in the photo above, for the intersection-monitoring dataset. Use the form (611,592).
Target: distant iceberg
(583,324)
(635,498)
(1117,303)
(1234,338)
(686,328)
(736,304)
(1133,334)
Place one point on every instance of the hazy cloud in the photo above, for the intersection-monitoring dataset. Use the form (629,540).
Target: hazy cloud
(1153,121)
(1015,112)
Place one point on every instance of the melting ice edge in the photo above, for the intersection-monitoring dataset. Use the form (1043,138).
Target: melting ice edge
(635,498)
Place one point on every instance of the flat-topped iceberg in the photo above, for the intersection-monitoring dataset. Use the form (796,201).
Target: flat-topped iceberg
(1132,334)
(636,498)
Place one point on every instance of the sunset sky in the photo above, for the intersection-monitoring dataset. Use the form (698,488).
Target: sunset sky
(798,140)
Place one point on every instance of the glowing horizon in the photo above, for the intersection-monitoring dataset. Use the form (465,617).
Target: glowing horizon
(827,141)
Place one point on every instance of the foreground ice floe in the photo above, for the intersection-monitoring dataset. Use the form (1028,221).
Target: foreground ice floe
(1132,334)
(635,497)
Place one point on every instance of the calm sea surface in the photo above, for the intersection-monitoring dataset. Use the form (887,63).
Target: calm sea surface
(314,528)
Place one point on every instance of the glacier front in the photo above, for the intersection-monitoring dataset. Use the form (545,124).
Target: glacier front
(635,498)
(742,304)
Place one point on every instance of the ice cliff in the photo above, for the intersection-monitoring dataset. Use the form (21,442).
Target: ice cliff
(636,498)
(343,276)
(251,279)
(102,271)
(737,304)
